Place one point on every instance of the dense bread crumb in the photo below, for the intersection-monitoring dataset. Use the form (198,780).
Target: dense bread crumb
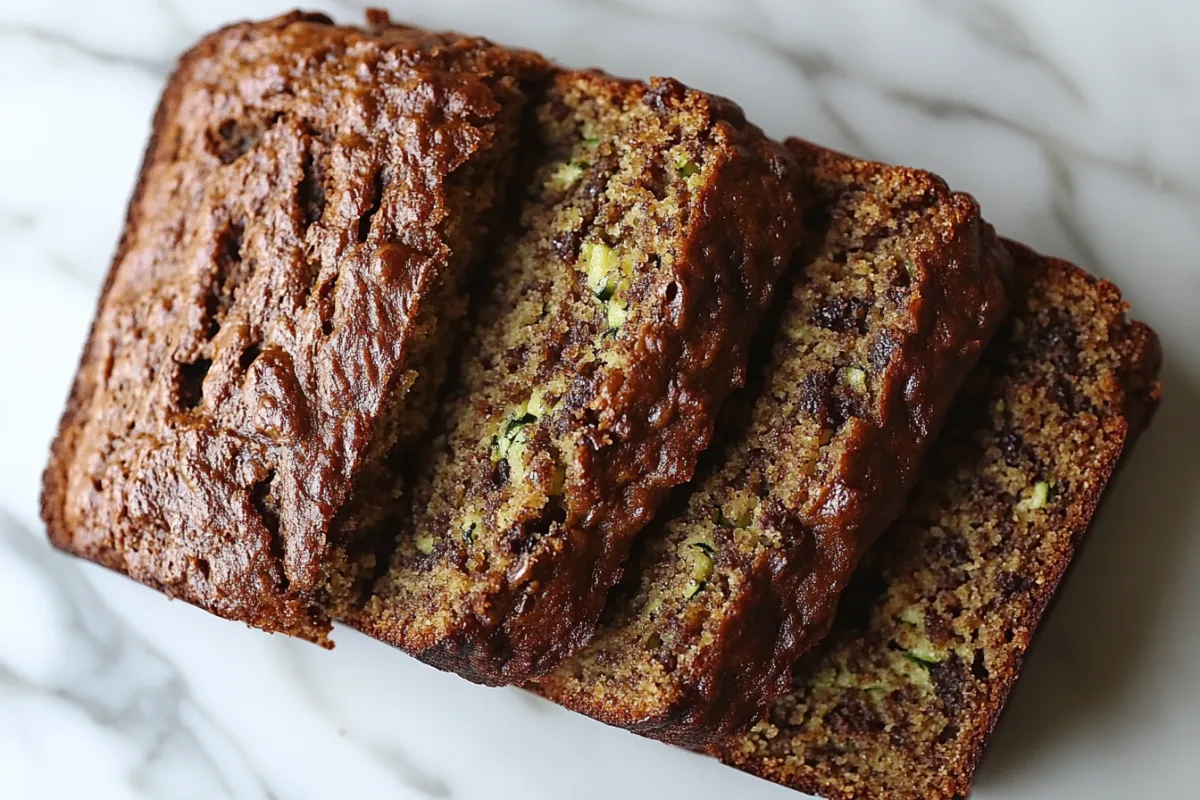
(894,297)
(309,199)
(616,321)
(901,697)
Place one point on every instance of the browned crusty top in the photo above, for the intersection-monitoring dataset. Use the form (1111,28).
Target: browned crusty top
(899,699)
(260,307)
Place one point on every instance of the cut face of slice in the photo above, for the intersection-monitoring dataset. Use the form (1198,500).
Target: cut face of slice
(890,305)
(653,224)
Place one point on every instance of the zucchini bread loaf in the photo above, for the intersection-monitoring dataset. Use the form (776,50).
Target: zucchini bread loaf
(653,224)
(277,313)
(899,700)
(892,303)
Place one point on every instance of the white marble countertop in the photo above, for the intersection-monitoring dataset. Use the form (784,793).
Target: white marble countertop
(1076,124)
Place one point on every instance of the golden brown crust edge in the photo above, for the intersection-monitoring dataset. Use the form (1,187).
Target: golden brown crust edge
(272,616)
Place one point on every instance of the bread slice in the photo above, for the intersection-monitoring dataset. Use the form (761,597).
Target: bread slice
(892,303)
(901,697)
(618,319)
(276,315)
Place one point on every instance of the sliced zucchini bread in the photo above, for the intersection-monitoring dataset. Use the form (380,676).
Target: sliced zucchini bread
(890,304)
(651,227)
(900,699)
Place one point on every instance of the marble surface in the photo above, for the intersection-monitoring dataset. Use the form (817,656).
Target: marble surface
(1075,124)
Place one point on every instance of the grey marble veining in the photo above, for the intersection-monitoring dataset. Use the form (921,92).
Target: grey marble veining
(109,689)
(1075,124)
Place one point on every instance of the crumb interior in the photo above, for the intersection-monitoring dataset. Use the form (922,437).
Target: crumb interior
(365,528)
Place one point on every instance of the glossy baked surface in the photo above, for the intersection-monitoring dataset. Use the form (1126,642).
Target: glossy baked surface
(307,191)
